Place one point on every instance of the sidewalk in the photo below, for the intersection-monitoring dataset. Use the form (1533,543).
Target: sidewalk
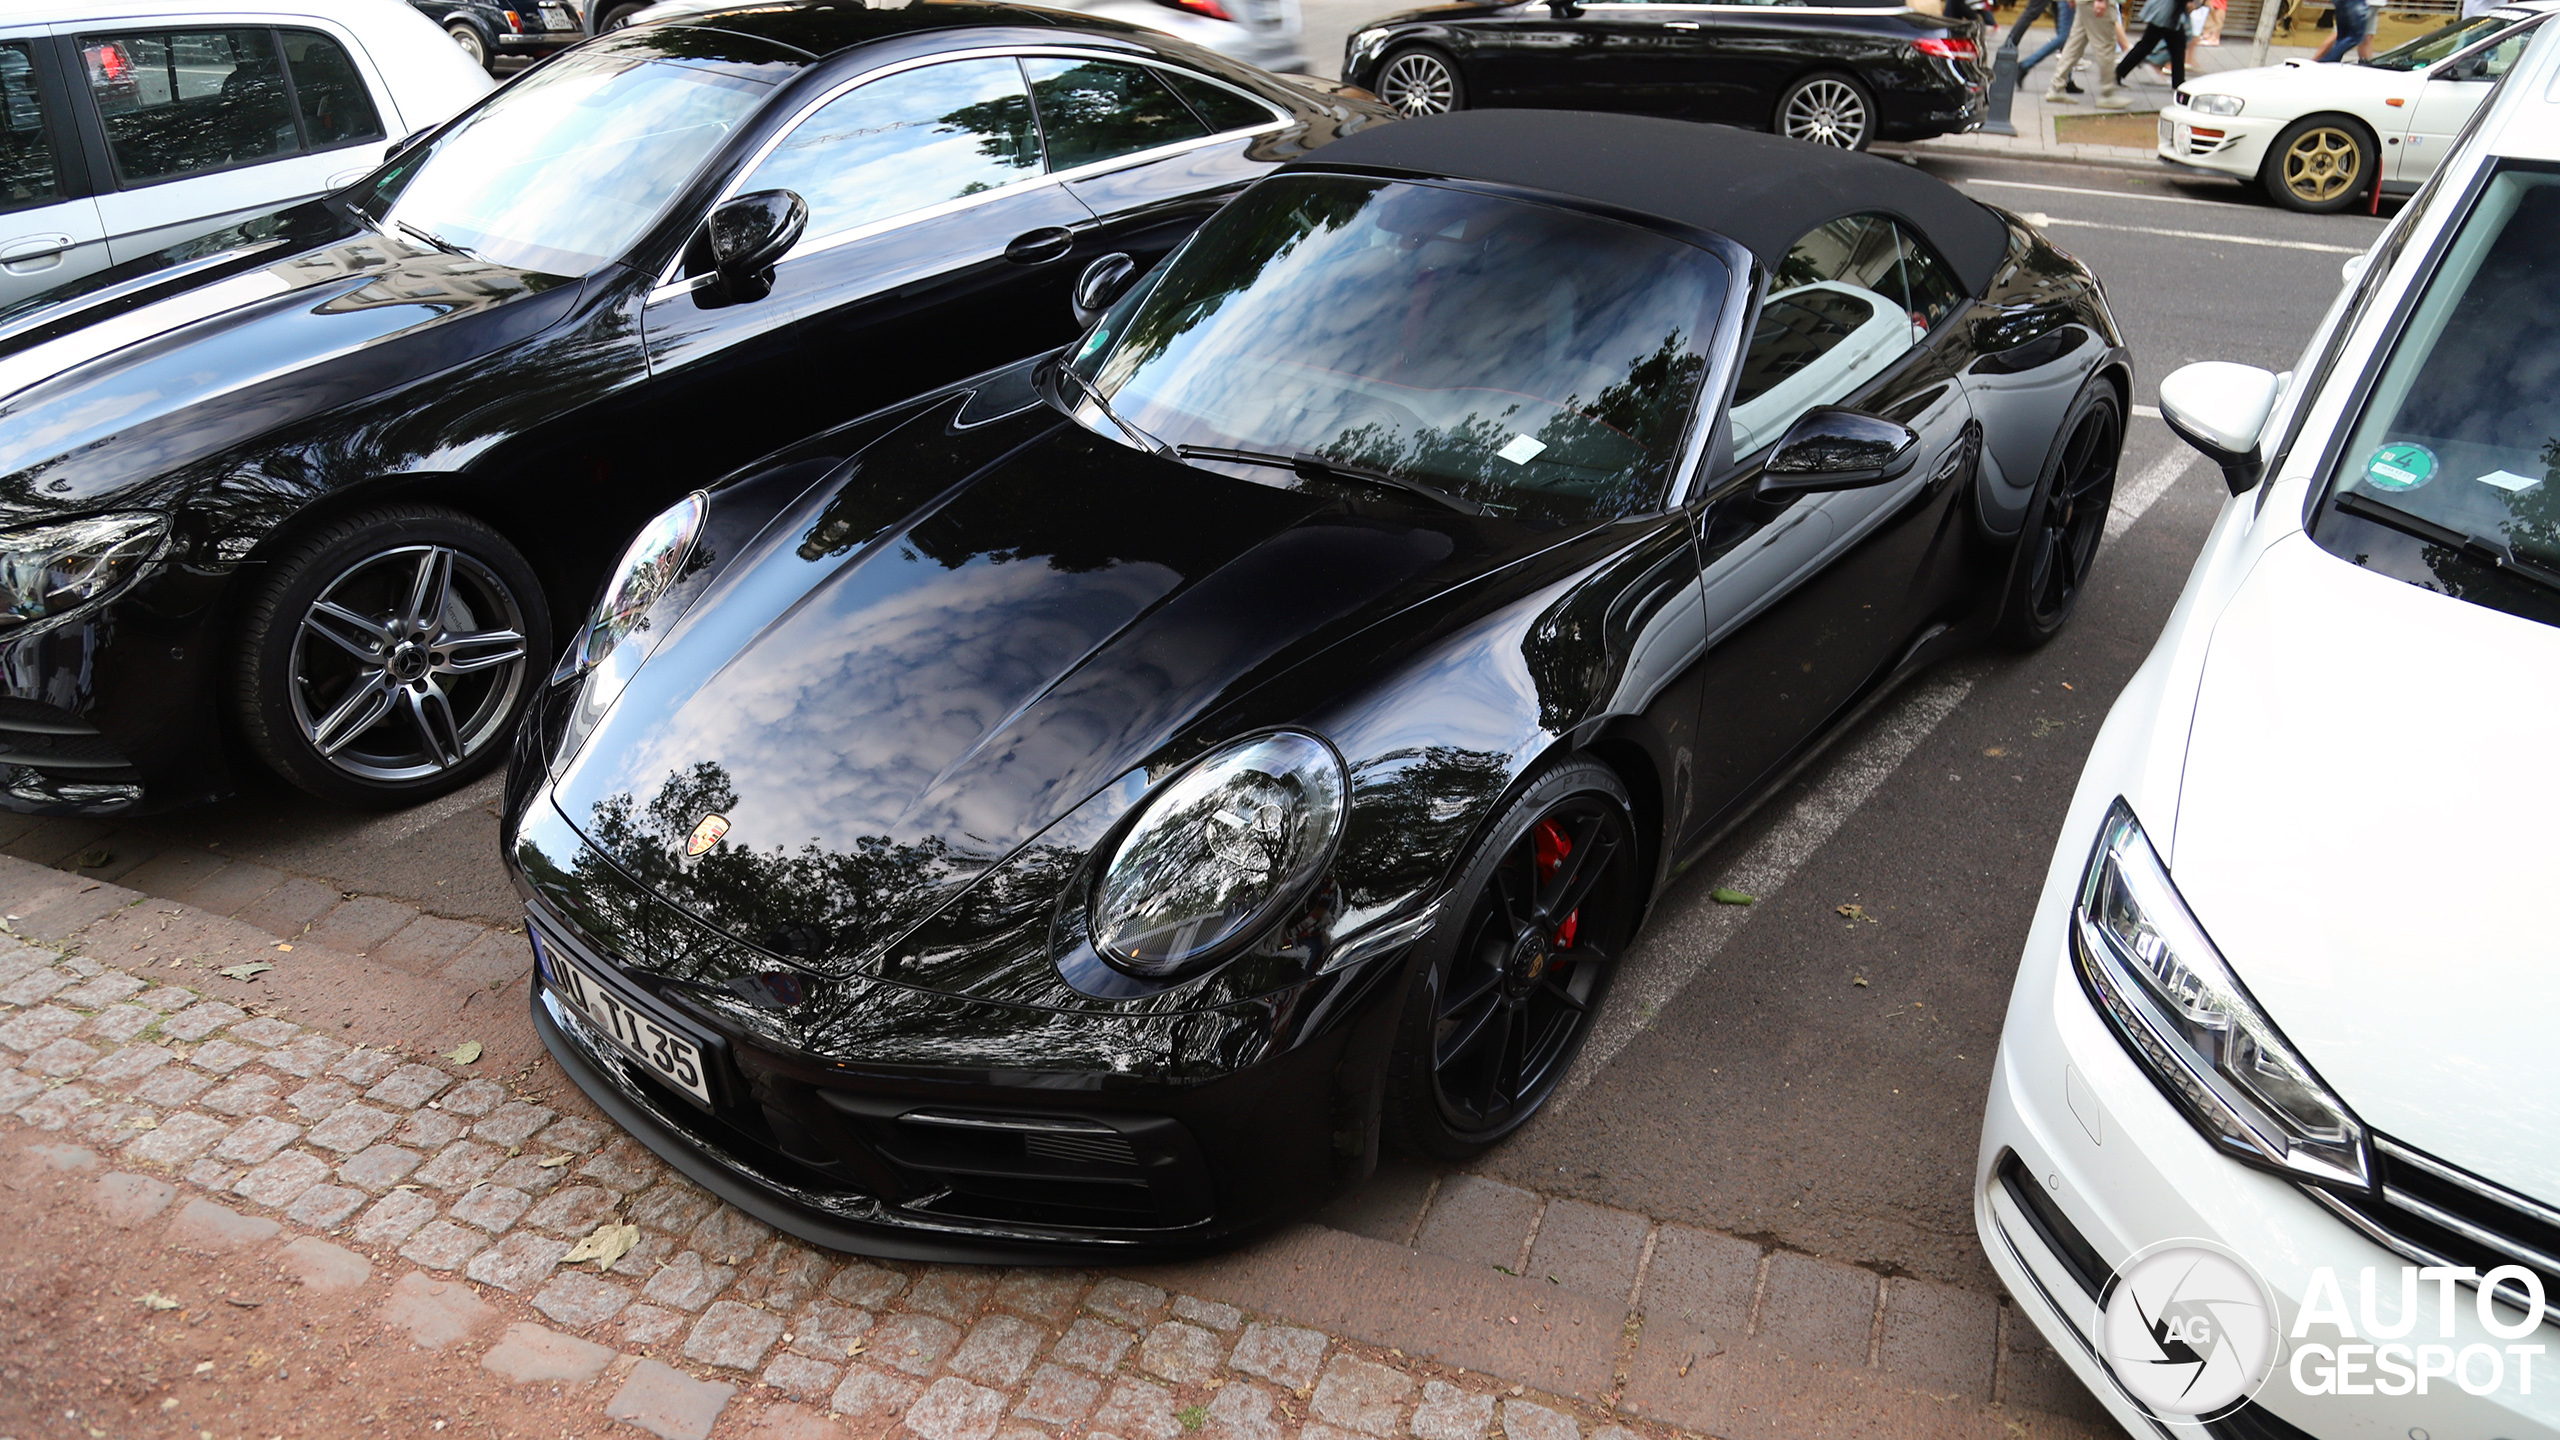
(272,1202)
(2037,138)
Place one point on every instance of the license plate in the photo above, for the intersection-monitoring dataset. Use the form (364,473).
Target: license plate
(555,18)
(667,1055)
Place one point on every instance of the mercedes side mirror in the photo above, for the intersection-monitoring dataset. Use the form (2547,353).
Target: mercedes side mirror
(1103,282)
(1834,449)
(747,235)
(2221,409)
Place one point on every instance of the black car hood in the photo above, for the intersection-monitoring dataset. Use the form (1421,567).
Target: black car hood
(117,385)
(907,678)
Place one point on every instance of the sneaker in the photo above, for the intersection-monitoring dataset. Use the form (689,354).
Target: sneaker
(2114,100)
(2072,87)
(2056,97)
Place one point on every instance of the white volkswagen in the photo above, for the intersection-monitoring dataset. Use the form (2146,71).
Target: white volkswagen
(2315,135)
(2288,1009)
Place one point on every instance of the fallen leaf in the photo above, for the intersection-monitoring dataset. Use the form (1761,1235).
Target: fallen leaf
(154,1300)
(1860,982)
(1854,913)
(92,859)
(247,1304)
(1995,751)
(1726,895)
(203,1365)
(464,1053)
(250,971)
(853,1349)
(281,946)
(605,1244)
(556,1161)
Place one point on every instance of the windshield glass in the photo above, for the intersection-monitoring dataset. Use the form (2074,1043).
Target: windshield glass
(2451,478)
(562,170)
(2436,44)
(1536,361)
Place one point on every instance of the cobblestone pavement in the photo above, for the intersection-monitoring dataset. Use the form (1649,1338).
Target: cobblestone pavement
(449,1198)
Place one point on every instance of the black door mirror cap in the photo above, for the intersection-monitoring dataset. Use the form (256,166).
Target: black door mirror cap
(1837,449)
(746,234)
(1102,283)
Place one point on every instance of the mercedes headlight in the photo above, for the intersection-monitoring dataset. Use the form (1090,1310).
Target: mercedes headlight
(2215,104)
(48,571)
(2186,1017)
(616,637)
(1219,853)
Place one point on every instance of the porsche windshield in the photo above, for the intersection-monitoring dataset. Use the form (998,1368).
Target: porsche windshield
(1532,360)
(562,170)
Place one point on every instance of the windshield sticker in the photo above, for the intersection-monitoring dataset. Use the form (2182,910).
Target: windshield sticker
(2400,465)
(1521,450)
(2509,481)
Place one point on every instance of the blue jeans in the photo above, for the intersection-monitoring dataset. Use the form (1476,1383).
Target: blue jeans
(2061,32)
(2355,22)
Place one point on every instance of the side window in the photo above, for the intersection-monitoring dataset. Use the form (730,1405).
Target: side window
(906,141)
(1221,107)
(328,90)
(1929,287)
(2496,60)
(188,101)
(1091,110)
(27,174)
(1838,314)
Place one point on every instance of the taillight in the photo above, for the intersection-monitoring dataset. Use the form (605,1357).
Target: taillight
(1951,48)
(514,22)
(110,62)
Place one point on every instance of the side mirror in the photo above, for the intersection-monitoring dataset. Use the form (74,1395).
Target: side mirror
(1103,281)
(2221,408)
(1834,449)
(748,234)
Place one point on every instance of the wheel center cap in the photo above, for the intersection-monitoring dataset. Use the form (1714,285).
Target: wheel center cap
(407,664)
(1528,962)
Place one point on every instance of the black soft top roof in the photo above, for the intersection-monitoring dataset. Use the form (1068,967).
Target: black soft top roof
(1760,191)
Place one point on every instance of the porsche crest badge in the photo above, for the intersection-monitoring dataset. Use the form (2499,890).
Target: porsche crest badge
(706,833)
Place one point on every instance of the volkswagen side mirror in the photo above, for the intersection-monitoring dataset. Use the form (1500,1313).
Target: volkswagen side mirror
(1103,282)
(1834,449)
(2221,409)
(747,235)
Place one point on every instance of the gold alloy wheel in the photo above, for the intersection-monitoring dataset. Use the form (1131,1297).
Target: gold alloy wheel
(2322,164)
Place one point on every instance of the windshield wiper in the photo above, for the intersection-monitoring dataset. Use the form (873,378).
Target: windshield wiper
(1318,467)
(423,238)
(1146,442)
(2478,547)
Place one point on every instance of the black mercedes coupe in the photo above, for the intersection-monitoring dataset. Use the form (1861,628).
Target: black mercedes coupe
(1100,805)
(308,491)
(1832,74)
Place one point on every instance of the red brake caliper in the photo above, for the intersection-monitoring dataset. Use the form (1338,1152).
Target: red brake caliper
(1553,846)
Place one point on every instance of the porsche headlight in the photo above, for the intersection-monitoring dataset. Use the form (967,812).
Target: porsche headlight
(2215,104)
(51,570)
(1219,852)
(2186,1017)
(647,568)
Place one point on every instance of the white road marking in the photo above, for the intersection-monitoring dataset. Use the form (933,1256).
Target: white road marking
(2146,412)
(2107,194)
(1677,952)
(399,827)
(2217,238)
(2137,495)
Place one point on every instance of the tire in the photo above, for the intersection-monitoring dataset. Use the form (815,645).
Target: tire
(473,43)
(2319,164)
(353,687)
(614,17)
(2066,519)
(1420,80)
(1827,109)
(1503,995)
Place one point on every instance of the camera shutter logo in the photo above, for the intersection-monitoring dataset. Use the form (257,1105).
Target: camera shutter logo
(2187,1330)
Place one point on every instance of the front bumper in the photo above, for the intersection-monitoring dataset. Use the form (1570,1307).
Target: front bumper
(2233,145)
(2074,1120)
(113,712)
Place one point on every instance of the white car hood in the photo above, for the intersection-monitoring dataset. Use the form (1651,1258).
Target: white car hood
(2369,828)
(2292,89)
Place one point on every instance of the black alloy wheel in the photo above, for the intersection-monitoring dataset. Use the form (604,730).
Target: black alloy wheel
(474,45)
(1827,110)
(2066,520)
(388,657)
(1421,81)
(1515,974)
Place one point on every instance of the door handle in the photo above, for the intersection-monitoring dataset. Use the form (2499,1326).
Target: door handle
(33,247)
(1039,247)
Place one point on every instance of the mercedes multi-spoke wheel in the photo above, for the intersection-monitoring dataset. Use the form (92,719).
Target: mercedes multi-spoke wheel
(1827,110)
(2320,164)
(1421,82)
(388,658)
(2066,518)
(1515,973)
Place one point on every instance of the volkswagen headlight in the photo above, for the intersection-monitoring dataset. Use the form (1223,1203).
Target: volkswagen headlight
(2176,1004)
(616,637)
(1218,853)
(47,571)
(2215,104)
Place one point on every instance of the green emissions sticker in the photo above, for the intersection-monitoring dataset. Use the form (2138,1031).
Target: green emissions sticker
(2400,465)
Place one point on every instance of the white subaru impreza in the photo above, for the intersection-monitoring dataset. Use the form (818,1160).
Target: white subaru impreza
(2273,1144)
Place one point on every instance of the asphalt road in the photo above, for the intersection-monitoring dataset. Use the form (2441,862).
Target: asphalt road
(1743,1079)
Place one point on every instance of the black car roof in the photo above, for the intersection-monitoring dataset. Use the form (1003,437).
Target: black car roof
(819,28)
(1761,191)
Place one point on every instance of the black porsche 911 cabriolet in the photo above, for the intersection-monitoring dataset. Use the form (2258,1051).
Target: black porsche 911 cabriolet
(1099,805)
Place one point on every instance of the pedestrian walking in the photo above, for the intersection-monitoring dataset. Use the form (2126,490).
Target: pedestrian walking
(2164,24)
(2061,31)
(2092,35)
(2355,32)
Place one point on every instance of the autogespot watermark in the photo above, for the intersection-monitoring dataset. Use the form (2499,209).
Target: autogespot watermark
(2192,1332)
